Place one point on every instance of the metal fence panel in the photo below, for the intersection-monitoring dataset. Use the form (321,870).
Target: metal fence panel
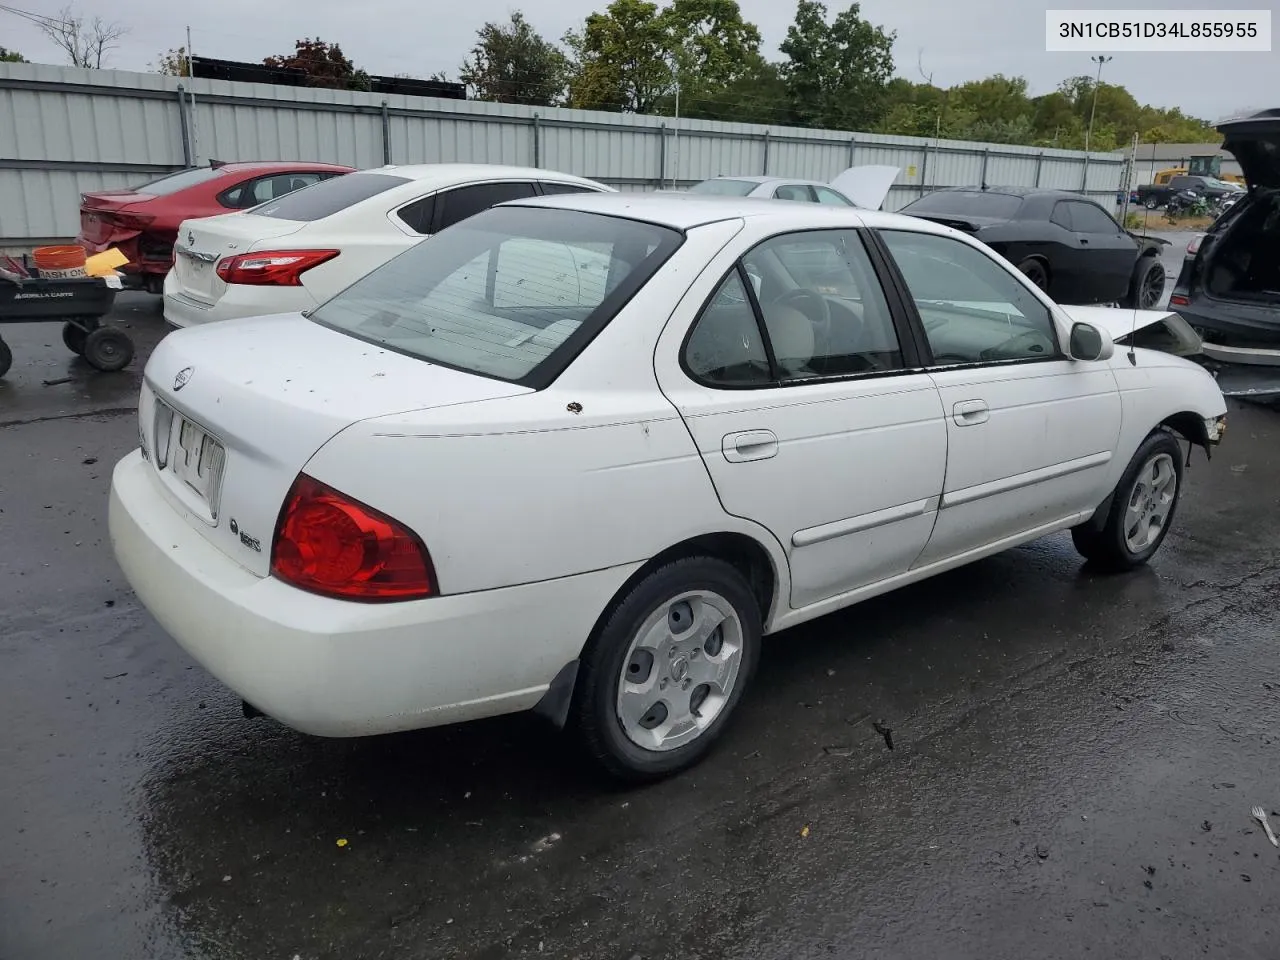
(65,130)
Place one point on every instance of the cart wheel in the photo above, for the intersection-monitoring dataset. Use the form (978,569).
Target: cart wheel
(74,337)
(108,349)
(6,358)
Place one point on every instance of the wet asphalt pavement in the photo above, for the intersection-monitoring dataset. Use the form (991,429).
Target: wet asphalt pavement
(1074,761)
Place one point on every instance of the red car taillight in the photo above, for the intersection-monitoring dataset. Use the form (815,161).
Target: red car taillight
(1177,300)
(129,221)
(274,268)
(327,543)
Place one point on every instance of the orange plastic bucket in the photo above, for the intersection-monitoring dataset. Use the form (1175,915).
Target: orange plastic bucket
(56,262)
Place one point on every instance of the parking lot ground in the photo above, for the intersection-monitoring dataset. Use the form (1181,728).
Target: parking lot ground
(1074,759)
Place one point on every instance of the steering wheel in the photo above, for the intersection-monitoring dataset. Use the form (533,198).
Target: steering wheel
(814,306)
(1030,343)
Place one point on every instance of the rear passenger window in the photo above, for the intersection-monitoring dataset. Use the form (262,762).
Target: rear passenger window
(1062,215)
(554,188)
(725,348)
(418,215)
(794,191)
(821,307)
(831,198)
(330,196)
(457,205)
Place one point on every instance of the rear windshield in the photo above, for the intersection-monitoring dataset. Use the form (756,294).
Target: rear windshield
(327,197)
(513,293)
(724,188)
(973,203)
(179,181)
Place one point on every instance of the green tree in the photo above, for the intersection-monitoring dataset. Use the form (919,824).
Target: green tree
(11,56)
(757,95)
(838,74)
(512,63)
(621,59)
(324,64)
(632,56)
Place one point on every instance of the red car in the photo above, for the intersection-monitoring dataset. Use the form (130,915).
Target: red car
(142,222)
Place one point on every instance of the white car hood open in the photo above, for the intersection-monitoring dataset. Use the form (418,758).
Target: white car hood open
(1177,337)
(866,186)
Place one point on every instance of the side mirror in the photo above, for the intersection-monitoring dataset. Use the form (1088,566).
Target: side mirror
(1088,343)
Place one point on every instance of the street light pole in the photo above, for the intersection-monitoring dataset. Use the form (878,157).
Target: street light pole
(1088,134)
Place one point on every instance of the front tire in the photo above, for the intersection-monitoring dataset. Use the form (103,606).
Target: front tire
(659,682)
(1142,508)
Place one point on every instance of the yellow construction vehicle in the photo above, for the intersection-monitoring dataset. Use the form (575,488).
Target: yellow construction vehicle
(1209,165)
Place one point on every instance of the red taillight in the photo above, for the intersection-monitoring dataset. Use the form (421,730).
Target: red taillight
(329,544)
(275,268)
(1177,300)
(126,221)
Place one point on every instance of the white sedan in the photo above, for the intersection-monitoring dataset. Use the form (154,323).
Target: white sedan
(581,453)
(293,253)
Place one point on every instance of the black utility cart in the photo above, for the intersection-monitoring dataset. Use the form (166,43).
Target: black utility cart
(80,304)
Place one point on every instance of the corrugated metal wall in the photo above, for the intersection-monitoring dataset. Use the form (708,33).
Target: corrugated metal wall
(65,130)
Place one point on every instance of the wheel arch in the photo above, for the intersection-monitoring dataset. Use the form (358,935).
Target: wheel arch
(1189,426)
(745,553)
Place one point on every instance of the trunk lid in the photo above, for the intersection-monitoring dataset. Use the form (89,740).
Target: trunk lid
(205,241)
(105,215)
(232,412)
(1255,142)
(866,186)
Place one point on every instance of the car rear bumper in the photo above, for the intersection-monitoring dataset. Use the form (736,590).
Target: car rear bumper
(336,668)
(238,301)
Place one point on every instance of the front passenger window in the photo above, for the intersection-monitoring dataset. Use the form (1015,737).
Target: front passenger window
(973,309)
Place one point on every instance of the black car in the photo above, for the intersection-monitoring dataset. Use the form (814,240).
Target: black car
(1066,244)
(1229,286)
(1153,196)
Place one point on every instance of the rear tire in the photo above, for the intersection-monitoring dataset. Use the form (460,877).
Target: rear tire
(657,685)
(1142,508)
(6,358)
(108,349)
(1146,286)
(1152,203)
(1035,271)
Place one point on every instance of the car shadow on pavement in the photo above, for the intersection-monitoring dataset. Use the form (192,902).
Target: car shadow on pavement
(245,817)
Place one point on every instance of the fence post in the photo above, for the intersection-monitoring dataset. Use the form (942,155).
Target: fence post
(924,168)
(853,149)
(1039,164)
(1084,176)
(182,121)
(537,140)
(986,155)
(662,154)
(386,135)
(765,171)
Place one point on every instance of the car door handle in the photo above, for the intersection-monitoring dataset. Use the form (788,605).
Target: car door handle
(969,413)
(1084,241)
(749,445)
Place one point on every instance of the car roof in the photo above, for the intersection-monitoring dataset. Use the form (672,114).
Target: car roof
(684,211)
(1011,191)
(446,173)
(255,166)
(814,183)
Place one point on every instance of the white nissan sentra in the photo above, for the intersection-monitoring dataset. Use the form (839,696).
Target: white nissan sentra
(580,453)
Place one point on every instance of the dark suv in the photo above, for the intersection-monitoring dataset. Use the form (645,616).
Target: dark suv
(1229,287)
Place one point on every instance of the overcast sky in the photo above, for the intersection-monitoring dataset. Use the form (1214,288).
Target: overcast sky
(956,40)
